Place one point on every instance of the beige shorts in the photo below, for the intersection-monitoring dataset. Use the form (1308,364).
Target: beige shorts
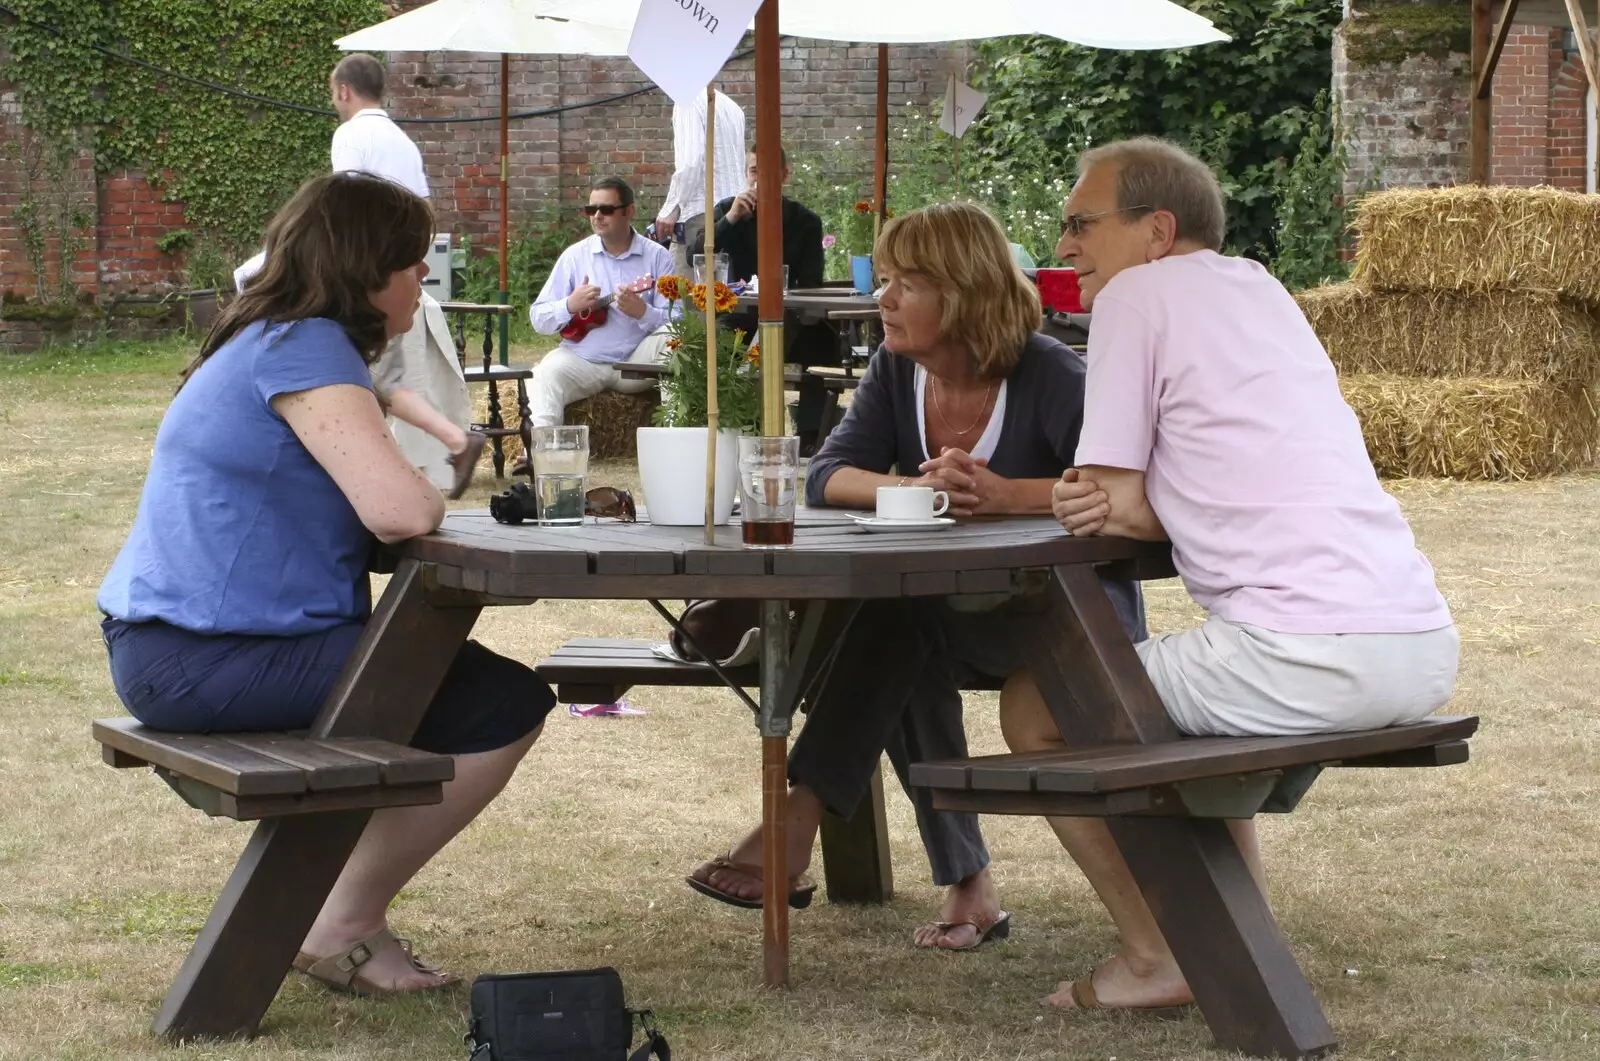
(1234,679)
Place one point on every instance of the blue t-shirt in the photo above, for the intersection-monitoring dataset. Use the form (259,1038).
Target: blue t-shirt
(239,529)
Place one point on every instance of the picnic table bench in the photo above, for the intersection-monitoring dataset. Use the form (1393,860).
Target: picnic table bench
(1164,796)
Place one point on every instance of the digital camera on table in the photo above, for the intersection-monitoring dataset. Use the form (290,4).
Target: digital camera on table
(515,504)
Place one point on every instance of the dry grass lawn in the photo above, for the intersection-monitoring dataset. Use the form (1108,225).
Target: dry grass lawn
(1447,915)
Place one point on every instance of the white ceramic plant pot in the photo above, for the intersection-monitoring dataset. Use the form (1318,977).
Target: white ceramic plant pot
(672,471)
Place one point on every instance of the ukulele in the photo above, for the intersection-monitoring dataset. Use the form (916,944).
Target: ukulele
(593,317)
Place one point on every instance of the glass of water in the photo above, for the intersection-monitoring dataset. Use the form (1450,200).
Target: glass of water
(560,467)
(700,267)
(769,475)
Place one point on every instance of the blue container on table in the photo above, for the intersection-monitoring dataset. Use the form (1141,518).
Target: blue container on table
(861,273)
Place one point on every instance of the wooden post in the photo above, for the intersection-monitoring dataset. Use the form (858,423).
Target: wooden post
(505,200)
(769,221)
(880,165)
(712,417)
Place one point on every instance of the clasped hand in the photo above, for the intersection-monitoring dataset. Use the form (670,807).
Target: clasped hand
(1079,504)
(972,487)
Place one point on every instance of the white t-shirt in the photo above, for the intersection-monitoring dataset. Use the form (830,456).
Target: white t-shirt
(370,142)
(1204,375)
(687,191)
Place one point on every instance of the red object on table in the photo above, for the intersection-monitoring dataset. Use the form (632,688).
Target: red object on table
(1058,290)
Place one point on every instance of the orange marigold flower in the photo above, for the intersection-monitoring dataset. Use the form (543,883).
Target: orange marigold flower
(697,294)
(674,342)
(753,355)
(863,207)
(726,299)
(671,288)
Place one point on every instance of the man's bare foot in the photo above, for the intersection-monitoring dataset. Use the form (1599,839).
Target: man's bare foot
(805,812)
(976,898)
(1116,985)
(390,967)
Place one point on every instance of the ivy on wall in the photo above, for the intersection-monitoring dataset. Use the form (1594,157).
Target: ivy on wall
(231,162)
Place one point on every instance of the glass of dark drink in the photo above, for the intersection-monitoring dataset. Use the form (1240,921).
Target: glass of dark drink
(769,476)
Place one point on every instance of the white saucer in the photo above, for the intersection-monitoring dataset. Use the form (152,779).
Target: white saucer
(877,525)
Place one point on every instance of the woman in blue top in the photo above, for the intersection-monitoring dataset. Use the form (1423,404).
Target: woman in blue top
(242,587)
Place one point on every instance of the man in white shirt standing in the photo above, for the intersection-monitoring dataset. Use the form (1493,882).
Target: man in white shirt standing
(611,273)
(367,138)
(686,195)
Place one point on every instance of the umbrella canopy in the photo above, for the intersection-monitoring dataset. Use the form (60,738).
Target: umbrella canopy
(520,27)
(1124,25)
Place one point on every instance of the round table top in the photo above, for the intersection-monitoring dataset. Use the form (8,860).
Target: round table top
(832,558)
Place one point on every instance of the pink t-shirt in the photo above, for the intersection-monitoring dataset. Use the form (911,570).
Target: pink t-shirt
(1204,375)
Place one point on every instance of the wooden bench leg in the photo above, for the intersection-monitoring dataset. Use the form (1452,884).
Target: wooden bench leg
(249,942)
(855,852)
(830,410)
(289,866)
(1215,919)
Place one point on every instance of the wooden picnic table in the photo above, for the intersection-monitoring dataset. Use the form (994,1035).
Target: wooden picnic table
(1192,874)
(812,305)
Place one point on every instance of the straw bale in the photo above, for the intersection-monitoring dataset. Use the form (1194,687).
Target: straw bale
(614,419)
(1472,428)
(1532,335)
(1476,238)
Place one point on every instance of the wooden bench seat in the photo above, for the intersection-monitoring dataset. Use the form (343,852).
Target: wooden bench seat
(600,670)
(1202,777)
(247,776)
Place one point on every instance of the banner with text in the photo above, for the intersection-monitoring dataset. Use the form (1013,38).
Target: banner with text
(961,105)
(681,44)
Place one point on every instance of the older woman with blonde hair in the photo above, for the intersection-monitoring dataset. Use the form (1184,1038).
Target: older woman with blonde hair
(965,396)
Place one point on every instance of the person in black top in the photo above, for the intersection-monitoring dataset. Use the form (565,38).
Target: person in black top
(811,344)
(737,226)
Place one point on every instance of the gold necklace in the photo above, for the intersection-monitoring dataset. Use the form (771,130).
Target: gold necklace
(934,382)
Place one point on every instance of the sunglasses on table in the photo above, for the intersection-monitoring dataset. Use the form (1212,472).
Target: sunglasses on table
(603,209)
(1074,224)
(610,502)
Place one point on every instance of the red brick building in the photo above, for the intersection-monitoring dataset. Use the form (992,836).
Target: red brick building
(1543,112)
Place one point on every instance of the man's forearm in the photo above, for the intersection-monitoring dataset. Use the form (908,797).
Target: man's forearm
(1135,521)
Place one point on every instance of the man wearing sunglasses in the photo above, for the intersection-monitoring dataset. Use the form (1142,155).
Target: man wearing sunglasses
(604,283)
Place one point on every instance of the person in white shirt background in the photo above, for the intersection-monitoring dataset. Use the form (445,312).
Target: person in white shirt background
(617,262)
(418,379)
(686,195)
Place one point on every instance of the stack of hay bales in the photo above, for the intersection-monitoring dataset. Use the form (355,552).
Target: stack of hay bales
(1468,339)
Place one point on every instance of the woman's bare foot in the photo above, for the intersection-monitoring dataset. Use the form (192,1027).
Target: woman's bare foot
(1119,985)
(389,968)
(977,898)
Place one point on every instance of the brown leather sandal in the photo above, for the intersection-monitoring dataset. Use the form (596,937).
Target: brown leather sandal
(1083,997)
(466,462)
(988,928)
(801,887)
(342,972)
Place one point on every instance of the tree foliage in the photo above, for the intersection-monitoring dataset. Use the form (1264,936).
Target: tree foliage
(1243,106)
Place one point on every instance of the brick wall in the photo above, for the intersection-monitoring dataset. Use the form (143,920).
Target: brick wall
(1519,154)
(1405,123)
(132,218)
(1569,119)
(829,90)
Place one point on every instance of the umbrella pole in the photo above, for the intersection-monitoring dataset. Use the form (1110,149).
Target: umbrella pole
(880,168)
(505,208)
(712,414)
(774,720)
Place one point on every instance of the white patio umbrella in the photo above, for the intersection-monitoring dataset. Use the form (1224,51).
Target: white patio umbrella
(510,27)
(1126,25)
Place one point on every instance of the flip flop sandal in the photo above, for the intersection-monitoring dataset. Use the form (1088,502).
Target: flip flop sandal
(988,928)
(465,463)
(342,972)
(1083,997)
(801,887)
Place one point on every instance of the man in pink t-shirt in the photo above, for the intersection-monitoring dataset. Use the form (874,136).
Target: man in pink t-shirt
(1213,419)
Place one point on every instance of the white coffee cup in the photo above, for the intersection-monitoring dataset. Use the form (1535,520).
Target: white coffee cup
(917,504)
